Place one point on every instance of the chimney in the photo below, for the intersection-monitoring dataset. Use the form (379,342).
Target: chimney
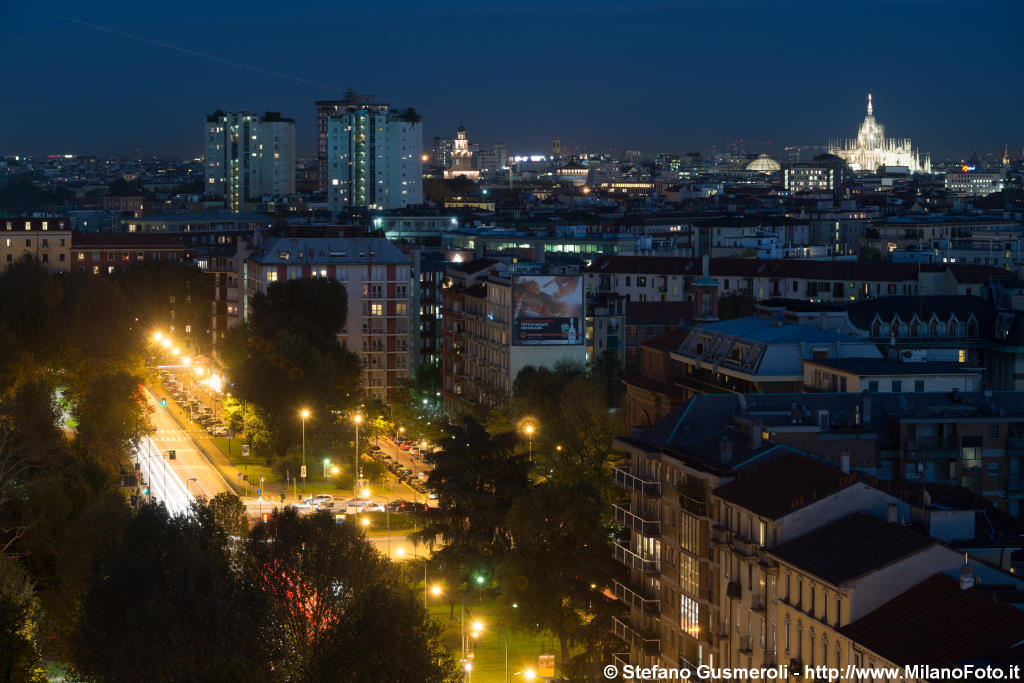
(891,514)
(755,435)
(966,575)
(725,449)
(865,412)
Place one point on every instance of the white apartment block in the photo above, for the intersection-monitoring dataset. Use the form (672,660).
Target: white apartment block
(248,156)
(373,159)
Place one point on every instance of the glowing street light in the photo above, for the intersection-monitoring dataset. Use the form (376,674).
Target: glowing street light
(304,414)
(355,473)
(185,360)
(400,552)
(478,626)
(529,675)
(435,590)
(157,337)
(165,342)
(365,521)
(175,351)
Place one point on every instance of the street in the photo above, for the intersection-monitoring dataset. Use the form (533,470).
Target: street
(188,474)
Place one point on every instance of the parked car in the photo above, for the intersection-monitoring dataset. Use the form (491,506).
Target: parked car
(319,498)
(356,505)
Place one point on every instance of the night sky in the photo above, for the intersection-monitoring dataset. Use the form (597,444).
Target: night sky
(654,76)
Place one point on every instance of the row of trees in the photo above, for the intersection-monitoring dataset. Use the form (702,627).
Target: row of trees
(301,598)
(111,594)
(532,520)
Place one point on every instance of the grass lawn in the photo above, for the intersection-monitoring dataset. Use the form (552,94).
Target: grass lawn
(489,648)
(273,484)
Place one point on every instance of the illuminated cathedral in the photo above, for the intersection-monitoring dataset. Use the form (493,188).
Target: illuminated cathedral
(871,149)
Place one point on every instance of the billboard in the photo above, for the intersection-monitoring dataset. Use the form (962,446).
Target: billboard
(547,309)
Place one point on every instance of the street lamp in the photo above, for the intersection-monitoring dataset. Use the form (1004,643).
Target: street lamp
(355,480)
(529,428)
(304,414)
(326,463)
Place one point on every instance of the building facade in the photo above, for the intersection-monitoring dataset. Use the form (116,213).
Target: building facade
(46,239)
(248,156)
(373,158)
(378,280)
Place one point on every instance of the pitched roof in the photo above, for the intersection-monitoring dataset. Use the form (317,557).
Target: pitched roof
(851,547)
(938,624)
(783,484)
(669,341)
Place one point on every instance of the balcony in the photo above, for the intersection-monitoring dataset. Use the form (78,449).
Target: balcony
(644,527)
(631,482)
(722,630)
(757,602)
(620,660)
(734,591)
(634,599)
(948,446)
(647,565)
(694,504)
(746,644)
(769,659)
(638,642)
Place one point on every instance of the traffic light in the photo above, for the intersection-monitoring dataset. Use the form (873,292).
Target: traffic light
(266,517)
(163,402)
(145,491)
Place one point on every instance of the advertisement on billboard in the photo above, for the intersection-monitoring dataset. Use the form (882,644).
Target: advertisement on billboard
(547,309)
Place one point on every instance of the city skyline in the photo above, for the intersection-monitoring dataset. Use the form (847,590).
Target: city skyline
(519,73)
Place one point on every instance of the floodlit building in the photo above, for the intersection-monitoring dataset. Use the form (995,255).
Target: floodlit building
(871,149)
(462,158)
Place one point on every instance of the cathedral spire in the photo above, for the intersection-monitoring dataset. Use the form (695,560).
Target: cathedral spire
(870,108)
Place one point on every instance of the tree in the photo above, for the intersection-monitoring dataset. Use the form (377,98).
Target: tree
(477,477)
(229,513)
(160,594)
(559,563)
(20,659)
(332,599)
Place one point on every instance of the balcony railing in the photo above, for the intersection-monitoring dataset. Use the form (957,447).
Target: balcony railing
(757,602)
(620,660)
(647,565)
(769,659)
(694,505)
(933,443)
(644,527)
(634,599)
(722,630)
(631,482)
(637,641)
(746,644)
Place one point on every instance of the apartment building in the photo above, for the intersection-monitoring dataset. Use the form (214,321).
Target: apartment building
(112,252)
(882,375)
(667,278)
(373,158)
(745,553)
(46,239)
(378,280)
(498,320)
(248,156)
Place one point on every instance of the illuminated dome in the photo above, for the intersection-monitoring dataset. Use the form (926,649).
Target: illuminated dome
(764,164)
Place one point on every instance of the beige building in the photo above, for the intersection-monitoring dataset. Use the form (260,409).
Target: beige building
(883,375)
(47,239)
